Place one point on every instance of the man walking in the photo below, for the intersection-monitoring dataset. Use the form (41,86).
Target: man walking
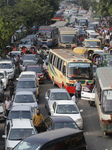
(78,87)
(37,120)
(11,86)
(8,105)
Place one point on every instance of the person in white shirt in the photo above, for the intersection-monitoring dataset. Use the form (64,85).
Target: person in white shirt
(74,98)
(8,105)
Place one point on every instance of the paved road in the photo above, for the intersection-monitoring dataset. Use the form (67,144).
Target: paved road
(93,135)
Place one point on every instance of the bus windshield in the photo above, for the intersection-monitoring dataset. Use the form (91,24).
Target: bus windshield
(68,38)
(44,34)
(107,101)
(80,71)
(95,44)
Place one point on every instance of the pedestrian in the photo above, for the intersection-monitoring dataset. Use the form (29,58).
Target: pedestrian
(78,87)
(11,86)
(90,87)
(74,98)
(37,120)
(40,62)
(8,105)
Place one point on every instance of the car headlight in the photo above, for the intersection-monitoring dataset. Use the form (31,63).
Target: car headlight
(79,121)
(10,72)
(9,148)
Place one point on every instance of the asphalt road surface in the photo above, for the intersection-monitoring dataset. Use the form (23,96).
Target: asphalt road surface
(94,137)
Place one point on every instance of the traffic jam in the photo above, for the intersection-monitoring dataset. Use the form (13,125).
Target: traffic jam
(47,79)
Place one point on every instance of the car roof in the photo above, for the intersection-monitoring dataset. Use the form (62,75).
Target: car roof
(29,55)
(34,66)
(61,118)
(26,79)
(24,92)
(27,73)
(28,61)
(58,90)
(21,107)
(5,61)
(62,102)
(45,137)
(21,123)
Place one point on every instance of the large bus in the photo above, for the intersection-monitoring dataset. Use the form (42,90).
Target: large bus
(103,98)
(59,24)
(67,37)
(48,35)
(65,67)
(60,139)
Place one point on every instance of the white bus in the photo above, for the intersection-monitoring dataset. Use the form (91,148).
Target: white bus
(103,98)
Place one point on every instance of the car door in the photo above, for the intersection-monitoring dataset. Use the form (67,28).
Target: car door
(48,124)
(85,93)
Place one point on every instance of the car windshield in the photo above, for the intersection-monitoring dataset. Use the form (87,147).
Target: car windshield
(29,63)
(26,84)
(24,99)
(59,96)
(80,71)
(59,125)
(1,75)
(19,114)
(23,145)
(67,109)
(19,134)
(26,57)
(44,34)
(94,44)
(35,69)
(107,102)
(5,66)
(25,42)
(68,38)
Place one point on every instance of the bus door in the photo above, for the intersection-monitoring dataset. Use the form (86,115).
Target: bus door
(64,71)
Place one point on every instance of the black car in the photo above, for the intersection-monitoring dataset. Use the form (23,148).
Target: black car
(57,122)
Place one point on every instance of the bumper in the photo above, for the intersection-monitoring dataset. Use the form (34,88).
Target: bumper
(80,125)
(107,127)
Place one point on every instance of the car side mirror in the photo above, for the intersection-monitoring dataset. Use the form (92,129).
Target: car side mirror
(17,79)
(81,110)
(46,97)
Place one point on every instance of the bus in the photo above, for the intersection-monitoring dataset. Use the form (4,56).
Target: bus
(59,24)
(60,139)
(48,35)
(103,98)
(65,67)
(67,37)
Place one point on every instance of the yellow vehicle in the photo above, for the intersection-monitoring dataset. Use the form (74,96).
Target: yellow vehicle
(65,67)
(91,45)
(96,19)
(81,51)
(67,37)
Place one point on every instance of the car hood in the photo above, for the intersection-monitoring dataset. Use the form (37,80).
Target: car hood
(12,143)
(73,116)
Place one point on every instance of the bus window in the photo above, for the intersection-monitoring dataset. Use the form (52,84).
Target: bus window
(53,60)
(64,70)
(50,57)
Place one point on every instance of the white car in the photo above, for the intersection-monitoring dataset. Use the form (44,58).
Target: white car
(53,95)
(86,94)
(67,108)
(28,74)
(8,67)
(4,78)
(26,98)
(26,63)
(16,130)
(21,112)
(2,111)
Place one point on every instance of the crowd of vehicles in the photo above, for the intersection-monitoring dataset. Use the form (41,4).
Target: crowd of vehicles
(77,54)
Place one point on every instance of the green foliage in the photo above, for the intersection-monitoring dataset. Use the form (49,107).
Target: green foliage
(25,12)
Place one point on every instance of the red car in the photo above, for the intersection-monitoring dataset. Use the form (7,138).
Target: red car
(37,69)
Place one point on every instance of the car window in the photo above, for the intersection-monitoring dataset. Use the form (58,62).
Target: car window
(59,125)
(60,96)
(26,84)
(19,114)
(24,99)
